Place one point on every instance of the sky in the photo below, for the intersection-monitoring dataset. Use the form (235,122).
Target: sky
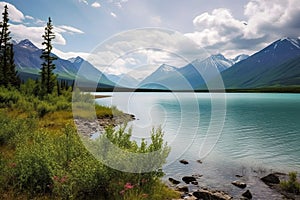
(111,33)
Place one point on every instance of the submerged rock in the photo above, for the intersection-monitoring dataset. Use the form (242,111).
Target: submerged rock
(211,195)
(271,179)
(239,184)
(175,182)
(185,162)
(188,179)
(247,194)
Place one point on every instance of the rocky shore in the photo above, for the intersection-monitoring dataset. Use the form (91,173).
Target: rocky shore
(190,189)
(90,127)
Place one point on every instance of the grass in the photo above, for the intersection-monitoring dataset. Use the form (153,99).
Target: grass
(42,156)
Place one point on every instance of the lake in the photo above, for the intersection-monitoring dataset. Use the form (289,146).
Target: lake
(233,133)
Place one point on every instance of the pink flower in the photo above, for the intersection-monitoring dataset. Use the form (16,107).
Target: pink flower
(63,179)
(55,178)
(128,186)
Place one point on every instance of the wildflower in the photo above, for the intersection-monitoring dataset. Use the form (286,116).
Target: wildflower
(128,186)
(55,178)
(63,179)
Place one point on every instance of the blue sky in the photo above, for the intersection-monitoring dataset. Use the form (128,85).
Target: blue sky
(230,27)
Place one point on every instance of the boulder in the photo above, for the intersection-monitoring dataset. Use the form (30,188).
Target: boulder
(247,194)
(271,179)
(211,195)
(185,162)
(239,184)
(188,179)
(173,181)
(183,188)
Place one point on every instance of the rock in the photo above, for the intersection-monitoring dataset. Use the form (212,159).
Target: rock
(238,176)
(173,181)
(247,194)
(270,179)
(211,195)
(184,189)
(199,161)
(185,162)
(239,184)
(194,182)
(188,179)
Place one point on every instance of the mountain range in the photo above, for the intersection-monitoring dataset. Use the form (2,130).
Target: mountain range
(28,64)
(277,65)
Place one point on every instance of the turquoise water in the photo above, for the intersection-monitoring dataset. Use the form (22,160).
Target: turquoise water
(250,131)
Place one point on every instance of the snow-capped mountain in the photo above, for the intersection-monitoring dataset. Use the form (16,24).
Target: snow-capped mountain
(240,58)
(28,63)
(259,69)
(190,76)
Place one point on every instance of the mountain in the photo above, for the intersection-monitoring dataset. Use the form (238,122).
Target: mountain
(87,71)
(190,76)
(239,58)
(28,64)
(123,80)
(165,77)
(266,67)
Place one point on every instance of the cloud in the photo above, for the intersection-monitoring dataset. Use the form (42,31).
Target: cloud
(67,55)
(113,15)
(34,34)
(144,50)
(29,17)
(96,5)
(266,21)
(83,1)
(68,29)
(15,15)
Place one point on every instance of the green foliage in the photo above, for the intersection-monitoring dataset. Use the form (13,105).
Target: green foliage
(41,161)
(291,185)
(48,79)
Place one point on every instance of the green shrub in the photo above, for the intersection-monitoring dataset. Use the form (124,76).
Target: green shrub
(291,185)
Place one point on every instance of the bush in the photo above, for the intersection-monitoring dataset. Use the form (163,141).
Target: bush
(291,186)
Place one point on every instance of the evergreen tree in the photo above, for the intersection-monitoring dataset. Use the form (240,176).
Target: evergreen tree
(8,73)
(48,79)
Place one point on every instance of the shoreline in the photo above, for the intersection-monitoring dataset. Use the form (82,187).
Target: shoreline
(256,183)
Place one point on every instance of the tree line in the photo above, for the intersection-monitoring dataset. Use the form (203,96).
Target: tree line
(8,73)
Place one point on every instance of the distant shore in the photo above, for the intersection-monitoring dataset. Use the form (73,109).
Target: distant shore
(99,96)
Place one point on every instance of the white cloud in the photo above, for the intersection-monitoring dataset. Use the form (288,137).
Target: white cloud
(220,32)
(68,29)
(83,1)
(34,34)
(96,5)
(113,15)
(29,17)
(15,15)
(144,50)
(67,55)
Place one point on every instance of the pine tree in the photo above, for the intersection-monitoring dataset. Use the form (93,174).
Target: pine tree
(8,73)
(48,79)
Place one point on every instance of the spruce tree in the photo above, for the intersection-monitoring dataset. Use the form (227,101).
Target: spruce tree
(8,73)
(48,79)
